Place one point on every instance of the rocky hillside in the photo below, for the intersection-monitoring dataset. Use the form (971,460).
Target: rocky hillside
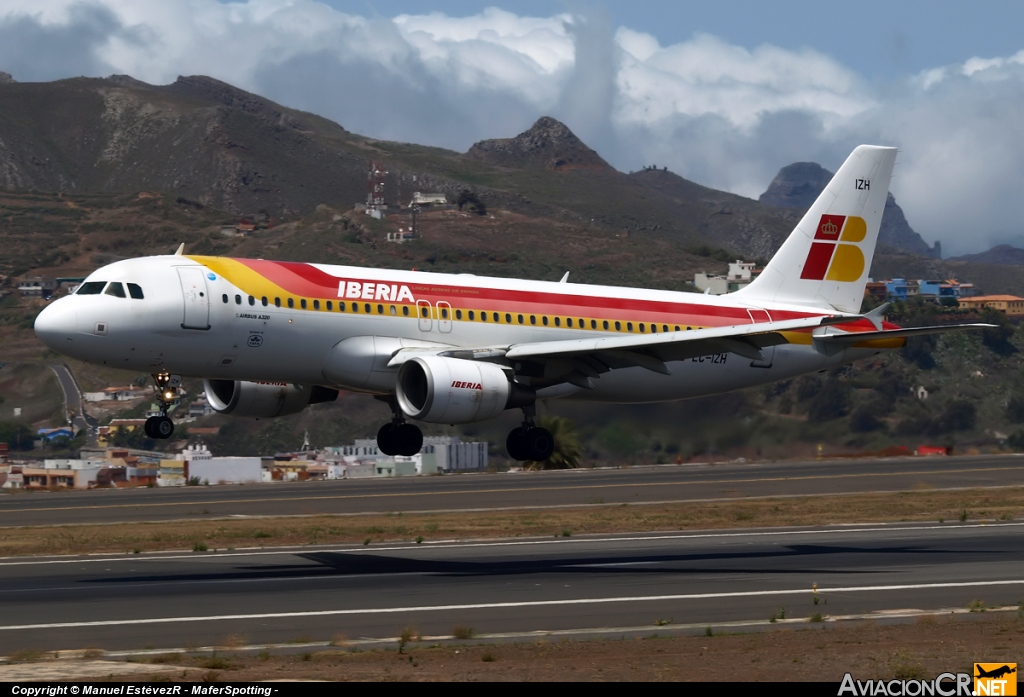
(548,144)
(799,184)
(1003,255)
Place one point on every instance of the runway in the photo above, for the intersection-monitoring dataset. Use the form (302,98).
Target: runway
(598,584)
(513,490)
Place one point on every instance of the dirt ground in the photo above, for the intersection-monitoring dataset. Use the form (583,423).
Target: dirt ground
(868,650)
(206,535)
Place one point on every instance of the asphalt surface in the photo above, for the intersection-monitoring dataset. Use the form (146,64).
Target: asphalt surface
(608,584)
(73,402)
(511,490)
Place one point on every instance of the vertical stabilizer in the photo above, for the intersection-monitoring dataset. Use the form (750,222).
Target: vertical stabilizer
(824,262)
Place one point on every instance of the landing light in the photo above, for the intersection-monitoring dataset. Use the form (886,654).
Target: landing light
(168,395)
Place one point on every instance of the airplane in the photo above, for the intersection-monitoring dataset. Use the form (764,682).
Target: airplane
(995,672)
(270,338)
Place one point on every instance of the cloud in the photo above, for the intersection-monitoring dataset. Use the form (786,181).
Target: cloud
(723,115)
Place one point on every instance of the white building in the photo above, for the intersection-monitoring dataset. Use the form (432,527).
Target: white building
(741,273)
(452,455)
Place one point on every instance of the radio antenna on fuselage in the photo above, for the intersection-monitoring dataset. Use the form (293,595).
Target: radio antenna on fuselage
(181,250)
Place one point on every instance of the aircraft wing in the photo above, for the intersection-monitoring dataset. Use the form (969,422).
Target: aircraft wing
(577,361)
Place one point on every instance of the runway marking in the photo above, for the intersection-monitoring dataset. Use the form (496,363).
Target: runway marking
(411,547)
(508,605)
(511,490)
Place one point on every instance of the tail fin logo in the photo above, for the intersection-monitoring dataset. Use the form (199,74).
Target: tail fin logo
(832,257)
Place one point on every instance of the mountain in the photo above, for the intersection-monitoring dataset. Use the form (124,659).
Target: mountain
(799,184)
(548,144)
(1004,255)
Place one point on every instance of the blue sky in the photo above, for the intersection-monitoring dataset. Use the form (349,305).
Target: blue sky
(723,93)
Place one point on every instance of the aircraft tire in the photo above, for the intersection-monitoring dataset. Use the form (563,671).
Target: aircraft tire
(163,427)
(515,444)
(150,427)
(539,444)
(409,439)
(387,439)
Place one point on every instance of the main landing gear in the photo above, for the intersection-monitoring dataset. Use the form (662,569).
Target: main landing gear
(161,427)
(530,442)
(399,437)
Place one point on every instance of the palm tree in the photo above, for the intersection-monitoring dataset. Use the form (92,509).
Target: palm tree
(568,449)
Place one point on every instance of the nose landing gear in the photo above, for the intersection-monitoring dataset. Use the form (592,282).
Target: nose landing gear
(399,437)
(530,442)
(161,427)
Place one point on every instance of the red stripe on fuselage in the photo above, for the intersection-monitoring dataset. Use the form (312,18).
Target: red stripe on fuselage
(305,280)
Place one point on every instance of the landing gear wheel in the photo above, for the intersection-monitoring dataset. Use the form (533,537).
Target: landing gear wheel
(410,439)
(387,439)
(540,444)
(159,427)
(516,444)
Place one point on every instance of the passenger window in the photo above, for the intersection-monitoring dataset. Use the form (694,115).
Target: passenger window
(533,319)
(641,328)
(497,318)
(654,328)
(291,303)
(225,298)
(264,301)
(91,288)
(135,291)
(606,324)
(367,308)
(277,302)
(629,326)
(444,313)
(330,306)
(341,307)
(593,324)
(423,312)
(618,326)
(520,319)
(252,300)
(393,310)
(508,318)
(687,329)
(238,299)
(568,321)
(472,315)
(405,310)
(316,304)
(380,309)
(302,303)
(664,327)
(115,289)
(458,314)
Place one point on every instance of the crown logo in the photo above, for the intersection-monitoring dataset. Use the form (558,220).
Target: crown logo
(830,228)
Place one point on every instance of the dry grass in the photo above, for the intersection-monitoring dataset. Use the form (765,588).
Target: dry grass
(868,650)
(987,504)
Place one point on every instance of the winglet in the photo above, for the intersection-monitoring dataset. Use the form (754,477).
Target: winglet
(181,250)
(877,315)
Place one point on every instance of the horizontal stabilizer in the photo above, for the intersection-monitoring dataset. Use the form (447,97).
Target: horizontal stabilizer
(857,337)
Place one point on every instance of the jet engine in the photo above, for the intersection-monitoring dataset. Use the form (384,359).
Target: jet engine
(444,390)
(263,399)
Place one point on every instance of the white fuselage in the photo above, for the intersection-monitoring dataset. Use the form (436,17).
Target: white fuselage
(230,319)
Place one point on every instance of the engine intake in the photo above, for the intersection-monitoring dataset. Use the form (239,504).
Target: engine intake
(263,399)
(445,390)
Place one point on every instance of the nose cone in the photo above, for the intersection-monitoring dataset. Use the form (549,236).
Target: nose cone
(55,326)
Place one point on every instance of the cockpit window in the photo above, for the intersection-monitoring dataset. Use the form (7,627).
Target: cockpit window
(135,291)
(91,288)
(115,289)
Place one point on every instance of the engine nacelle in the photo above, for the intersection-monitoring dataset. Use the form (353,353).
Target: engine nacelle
(444,390)
(263,399)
